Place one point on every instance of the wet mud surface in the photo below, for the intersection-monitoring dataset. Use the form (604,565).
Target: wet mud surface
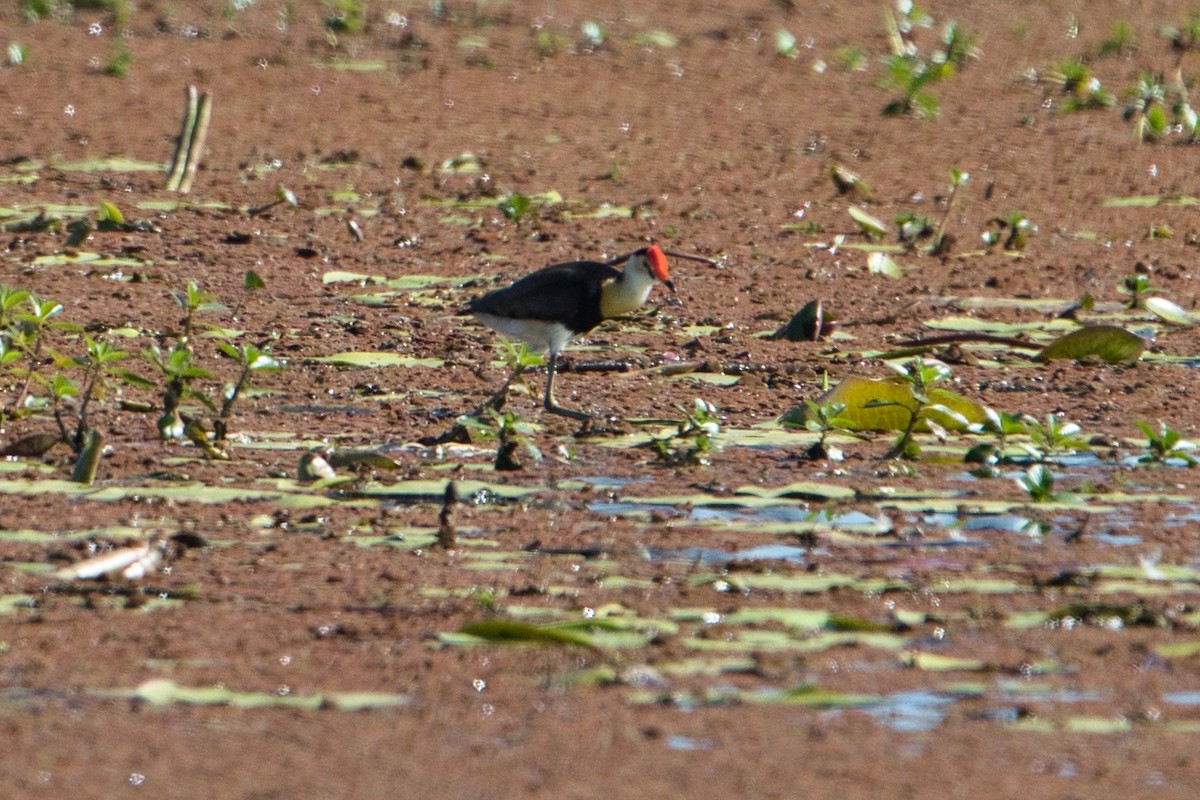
(738,621)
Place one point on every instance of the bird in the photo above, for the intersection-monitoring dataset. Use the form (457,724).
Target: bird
(549,307)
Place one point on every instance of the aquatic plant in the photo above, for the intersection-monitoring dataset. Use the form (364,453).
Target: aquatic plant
(694,439)
(1165,444)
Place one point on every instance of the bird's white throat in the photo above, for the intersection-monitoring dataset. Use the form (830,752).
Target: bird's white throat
(629,292)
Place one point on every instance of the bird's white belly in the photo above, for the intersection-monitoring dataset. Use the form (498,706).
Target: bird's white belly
(539,335)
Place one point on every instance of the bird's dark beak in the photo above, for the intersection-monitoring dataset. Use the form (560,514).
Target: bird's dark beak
(674,299)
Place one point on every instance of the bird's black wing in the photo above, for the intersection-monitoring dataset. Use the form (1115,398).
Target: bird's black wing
(567,293)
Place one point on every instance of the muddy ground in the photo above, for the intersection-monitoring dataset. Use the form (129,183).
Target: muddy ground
(855,634)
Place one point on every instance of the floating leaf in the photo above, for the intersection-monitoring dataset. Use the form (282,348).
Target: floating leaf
(162,692)
(883,264)
(936,662)
(871,226)
(1106,342)
(656,38)
(885,405)
(504,631)
(1166,310)
(374,360)
(1185,649)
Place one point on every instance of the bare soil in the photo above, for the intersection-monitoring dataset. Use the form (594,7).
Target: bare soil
(717,146)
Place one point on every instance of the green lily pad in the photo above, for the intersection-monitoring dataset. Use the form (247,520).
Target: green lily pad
(1106,342)
(862,398)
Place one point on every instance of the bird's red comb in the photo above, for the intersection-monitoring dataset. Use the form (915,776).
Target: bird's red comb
(658,263)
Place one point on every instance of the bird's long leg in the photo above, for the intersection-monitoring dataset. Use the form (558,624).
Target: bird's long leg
(551,405)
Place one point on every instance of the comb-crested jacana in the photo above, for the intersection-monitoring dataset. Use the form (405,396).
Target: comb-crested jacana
(548,308)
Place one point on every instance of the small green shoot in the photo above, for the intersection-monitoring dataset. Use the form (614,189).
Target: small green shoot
(1053,437)
(97,369)
(1137,286)
(250,359)
(594,36)
(851,58)
(1038,482)
(941,244)
(694,440)
(1166,444)
(17,54)
(825,419)
(785,44)
(118,66)
(911,76)
(510,432)
(847,182)
(1082,88)
(1120,40)
(346,16)
(920,375)
(1014,230)
(1147,108)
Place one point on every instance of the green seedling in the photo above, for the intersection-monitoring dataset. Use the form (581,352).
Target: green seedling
(192,301)
(872,227)
(958,179)
(958,48)
(510,432)
(25,334)
(694,440)
(1165,444)
(97,372)
(847,182)
(851,58)
(1014,230)
(593,36)
(825,419)
(1053,437)
(118,66)
(785,44)
(346,16)
(920,375)
(17,54)
(1137,287)
(180,373)
(1001,425)
(911,76)
(1120,40)
(1083,89)
(912,227)
(1038,482)
(1147,108)
(251,359)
